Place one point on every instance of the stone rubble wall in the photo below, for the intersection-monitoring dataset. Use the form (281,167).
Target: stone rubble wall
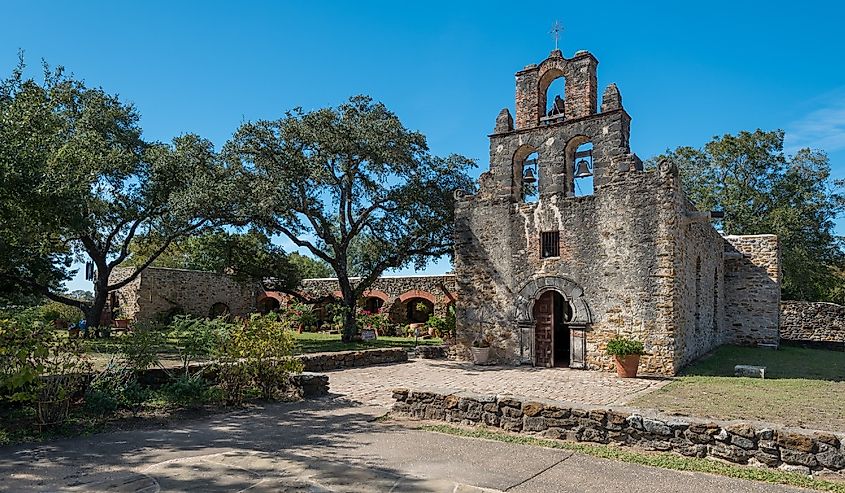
(352,359)
(158,291)
(441,288)
(813,322)
(752,290)
(739,443)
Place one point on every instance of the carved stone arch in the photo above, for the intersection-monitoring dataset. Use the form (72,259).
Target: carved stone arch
(570,290)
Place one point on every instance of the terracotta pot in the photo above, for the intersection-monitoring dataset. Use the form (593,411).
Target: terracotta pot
(480,355)
(626,366)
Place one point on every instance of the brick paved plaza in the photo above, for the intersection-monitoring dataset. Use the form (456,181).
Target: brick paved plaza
(371,385)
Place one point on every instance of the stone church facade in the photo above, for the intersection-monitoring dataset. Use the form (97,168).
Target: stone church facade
(549,268)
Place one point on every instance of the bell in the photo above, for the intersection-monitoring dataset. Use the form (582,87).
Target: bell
(529,177)
(582,169)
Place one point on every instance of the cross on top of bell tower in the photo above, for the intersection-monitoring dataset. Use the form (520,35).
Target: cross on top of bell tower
(557,29)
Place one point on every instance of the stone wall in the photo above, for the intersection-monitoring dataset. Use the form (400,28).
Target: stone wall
(752,289)
(352,359)
(396,291)
(814,324)
(740,443)
(159,291)
(635,258)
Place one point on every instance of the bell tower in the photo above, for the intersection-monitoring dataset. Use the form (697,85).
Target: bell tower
(558,141)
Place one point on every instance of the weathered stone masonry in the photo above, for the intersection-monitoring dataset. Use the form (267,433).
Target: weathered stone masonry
(633,258)
(813,324)
(735,442)
(159,291)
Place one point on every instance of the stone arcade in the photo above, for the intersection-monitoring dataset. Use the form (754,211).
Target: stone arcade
(549,281)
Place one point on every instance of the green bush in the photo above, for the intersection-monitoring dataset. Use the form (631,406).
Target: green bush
(195,338)
(622,346)
(54,310)
(190,391)
(257,354)
(141,345)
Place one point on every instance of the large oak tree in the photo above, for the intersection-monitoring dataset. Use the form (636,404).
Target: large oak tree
(764,190)
(354,187)
(78,183)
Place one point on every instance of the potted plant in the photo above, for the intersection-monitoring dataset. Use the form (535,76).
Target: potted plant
(120,321)
(480,351)
(626,354)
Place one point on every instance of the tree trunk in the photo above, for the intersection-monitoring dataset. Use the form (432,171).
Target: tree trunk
(94,313)
(349,323)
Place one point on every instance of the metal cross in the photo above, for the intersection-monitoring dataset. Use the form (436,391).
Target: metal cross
(557,28)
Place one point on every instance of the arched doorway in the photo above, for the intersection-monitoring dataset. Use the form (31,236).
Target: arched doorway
(419,310)
(535,311)
(268,305)
(218,309)
(552,313)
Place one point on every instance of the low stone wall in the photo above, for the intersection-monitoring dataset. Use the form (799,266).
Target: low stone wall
(813,324)
(433,352)
(351,359)
(740,443)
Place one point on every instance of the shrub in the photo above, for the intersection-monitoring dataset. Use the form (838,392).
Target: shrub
(622,346)
(195,338)
(443,326)
(257,354)
(190,391)
(54,310)
(141,346)
(300,315)
(377,321)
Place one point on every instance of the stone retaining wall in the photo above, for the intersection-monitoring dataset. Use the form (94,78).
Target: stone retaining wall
(740,443)
(350,359)
(814,324)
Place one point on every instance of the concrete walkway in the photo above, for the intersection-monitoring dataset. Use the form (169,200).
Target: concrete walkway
(326,445)
(371,385)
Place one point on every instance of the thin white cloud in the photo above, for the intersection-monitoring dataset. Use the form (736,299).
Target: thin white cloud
(823,128)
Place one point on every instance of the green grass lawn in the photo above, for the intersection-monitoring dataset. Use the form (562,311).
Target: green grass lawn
(803,388)
(101,351)
(316,342)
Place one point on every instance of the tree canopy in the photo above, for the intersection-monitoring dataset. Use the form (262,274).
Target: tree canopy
(350,180)
(249,256)
(78,182)
(763,190)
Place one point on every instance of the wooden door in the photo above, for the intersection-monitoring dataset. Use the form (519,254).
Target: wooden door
(544,330)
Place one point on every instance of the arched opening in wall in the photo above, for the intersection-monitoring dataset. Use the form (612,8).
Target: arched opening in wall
(373,304)
(531,178)
(552,313)
(268,305)
(555,96)
(418,310)
(219,309)
(551,96)
(324,312)
(582,169)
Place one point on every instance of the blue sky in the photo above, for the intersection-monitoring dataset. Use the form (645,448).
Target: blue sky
(686,72)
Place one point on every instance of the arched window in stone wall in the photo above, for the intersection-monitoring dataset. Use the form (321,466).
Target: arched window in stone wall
(418,310)
(268,305)
(531,178)
(373,304)
(219,309)
(582,169)
(551,94)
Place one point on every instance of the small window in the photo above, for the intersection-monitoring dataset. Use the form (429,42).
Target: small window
(549,244)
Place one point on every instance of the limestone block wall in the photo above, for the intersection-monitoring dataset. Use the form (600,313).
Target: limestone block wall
(617,246)
(699,272)
(159,291)
(752,289)
(813,322)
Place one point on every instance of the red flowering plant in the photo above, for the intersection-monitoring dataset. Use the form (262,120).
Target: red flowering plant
(376,320)
(301,317)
